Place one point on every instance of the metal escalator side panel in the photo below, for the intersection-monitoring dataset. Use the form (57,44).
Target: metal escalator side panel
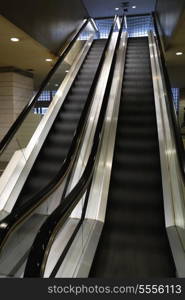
(92,124)
(172,180)
(98,197)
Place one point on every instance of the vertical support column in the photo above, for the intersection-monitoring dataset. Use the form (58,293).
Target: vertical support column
(16,89)
(22,92)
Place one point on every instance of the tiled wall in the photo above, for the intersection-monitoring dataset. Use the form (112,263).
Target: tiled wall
(15,92)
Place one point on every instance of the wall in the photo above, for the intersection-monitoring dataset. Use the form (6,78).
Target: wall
(169,13)
(48,22)
(15,92)
(176,74)
(171,25)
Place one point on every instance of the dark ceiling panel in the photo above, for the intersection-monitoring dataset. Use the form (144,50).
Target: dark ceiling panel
(104,8)
(49,22)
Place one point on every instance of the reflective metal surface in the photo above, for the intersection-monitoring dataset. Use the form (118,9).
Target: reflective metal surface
(93,118)
(59,244)
(173,186)
(77,262)
(14,254)
(98,196)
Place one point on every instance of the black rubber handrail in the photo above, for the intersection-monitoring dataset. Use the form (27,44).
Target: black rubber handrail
(40,249)
(18,122)
(17,216)
(170,103)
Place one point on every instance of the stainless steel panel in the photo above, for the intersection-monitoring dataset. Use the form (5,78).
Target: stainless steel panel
(172,181)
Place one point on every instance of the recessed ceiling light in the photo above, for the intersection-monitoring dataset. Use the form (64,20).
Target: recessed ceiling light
(179,53)
(117,8)
(14,39)
(48,59)
(56,84)
(67,71)
(134,6)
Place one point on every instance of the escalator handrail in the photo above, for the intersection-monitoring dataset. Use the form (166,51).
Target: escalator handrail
(170,103)
(17,216)
(16,125)
(41,246)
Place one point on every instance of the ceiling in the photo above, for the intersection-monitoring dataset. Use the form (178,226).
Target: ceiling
(26,54)
(104,8)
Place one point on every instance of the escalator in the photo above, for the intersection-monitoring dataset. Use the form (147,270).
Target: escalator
(58,154)
(134,242)
(58,141)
